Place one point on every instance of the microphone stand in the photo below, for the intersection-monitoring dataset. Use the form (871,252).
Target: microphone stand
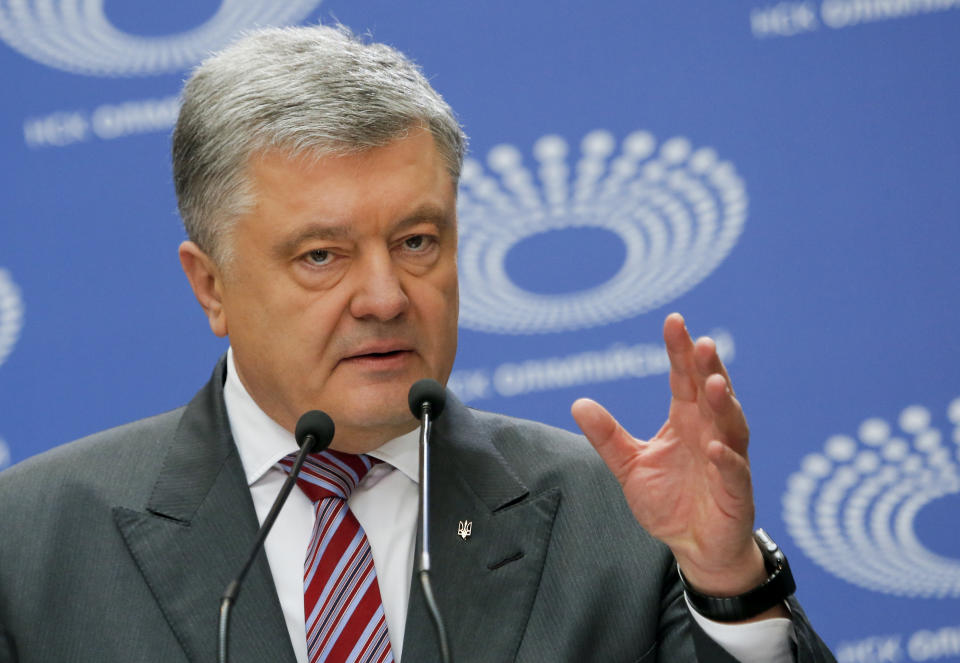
(314,433)
(423,565)
(233,589)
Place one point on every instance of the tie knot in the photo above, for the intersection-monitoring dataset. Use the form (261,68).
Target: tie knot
(330,473)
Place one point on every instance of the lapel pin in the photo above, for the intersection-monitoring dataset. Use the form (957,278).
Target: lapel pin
(464,529)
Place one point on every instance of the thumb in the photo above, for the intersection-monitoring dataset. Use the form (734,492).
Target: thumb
(614,444)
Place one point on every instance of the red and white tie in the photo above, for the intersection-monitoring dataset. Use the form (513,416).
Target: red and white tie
(341,596)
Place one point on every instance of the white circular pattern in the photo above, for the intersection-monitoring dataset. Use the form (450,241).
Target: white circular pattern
(915,418)
(11,314)
(854,514)
(840,447)
(4,454)
(678,210)
(953,411)
(874,431)
(76,36)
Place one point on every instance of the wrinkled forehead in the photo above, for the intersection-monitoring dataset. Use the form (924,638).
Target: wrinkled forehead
(400,184)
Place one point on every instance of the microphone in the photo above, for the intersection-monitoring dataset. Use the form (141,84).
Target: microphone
(426,400)
(427,393)
(314,433)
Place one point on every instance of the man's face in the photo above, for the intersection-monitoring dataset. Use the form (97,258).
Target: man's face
(343,287)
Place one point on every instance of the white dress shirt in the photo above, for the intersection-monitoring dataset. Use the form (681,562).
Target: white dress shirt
(386,505)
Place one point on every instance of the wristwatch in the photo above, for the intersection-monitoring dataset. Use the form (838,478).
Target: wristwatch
(775,589)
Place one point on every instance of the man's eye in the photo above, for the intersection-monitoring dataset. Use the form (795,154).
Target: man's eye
(416,243)
(318,257)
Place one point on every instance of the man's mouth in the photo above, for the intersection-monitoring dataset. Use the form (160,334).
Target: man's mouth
(382,356)
(378,355)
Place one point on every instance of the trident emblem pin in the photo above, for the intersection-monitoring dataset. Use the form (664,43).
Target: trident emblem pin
(464,528)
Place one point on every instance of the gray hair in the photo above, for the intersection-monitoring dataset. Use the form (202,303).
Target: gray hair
(306,90)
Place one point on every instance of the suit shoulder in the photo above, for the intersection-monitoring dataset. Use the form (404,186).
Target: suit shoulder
(98,459)
(541,448)
(537,435)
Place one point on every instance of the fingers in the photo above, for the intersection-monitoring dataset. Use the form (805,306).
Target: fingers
(683,370)
(690,363)
(707,360)
(728,419)
(698,375)
(614,444)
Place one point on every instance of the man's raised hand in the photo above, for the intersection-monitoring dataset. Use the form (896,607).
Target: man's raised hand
(689,485)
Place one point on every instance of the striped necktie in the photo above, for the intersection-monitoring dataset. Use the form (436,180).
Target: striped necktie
(341,597)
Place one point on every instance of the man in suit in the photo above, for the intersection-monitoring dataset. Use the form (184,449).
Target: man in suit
(316,176)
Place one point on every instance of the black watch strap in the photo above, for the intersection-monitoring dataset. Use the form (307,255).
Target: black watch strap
(775,589)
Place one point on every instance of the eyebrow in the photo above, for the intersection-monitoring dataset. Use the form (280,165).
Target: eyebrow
(428,213)
(314,231)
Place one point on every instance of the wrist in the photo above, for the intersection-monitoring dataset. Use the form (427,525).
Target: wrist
(734,575)
(764,600)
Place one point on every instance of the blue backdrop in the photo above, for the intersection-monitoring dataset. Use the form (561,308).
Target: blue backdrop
(784,173)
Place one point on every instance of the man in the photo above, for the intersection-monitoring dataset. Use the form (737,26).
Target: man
(317,177)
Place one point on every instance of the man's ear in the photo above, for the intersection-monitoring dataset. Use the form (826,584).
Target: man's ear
(206,279)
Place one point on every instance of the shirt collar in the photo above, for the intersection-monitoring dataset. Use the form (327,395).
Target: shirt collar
(262,442)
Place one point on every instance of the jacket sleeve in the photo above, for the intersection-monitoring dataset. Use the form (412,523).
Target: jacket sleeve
(677,625)
(808,647)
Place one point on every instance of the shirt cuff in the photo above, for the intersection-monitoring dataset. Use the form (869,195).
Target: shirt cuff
(766,641)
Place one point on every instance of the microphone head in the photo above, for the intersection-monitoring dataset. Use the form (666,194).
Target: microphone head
(427,391)
(316,423)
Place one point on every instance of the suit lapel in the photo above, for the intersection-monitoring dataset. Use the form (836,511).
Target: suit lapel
(194,535)
(485,583)
(199,523)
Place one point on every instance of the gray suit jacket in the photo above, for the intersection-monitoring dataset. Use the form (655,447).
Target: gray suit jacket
(117,548)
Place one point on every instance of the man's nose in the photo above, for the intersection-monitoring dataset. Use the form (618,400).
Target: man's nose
(379,292)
